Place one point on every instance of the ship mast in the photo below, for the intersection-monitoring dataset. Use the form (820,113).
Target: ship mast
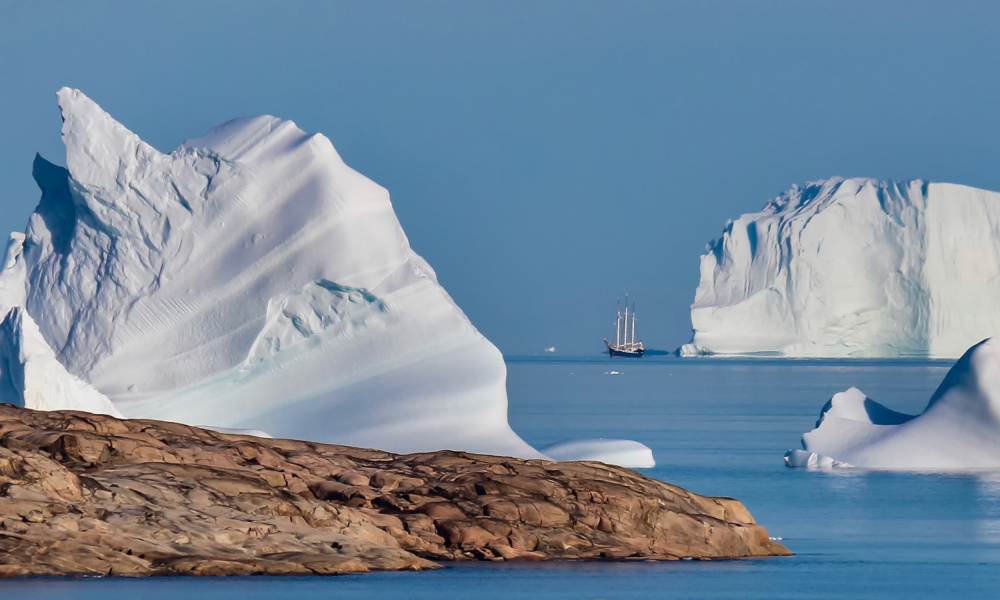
(626,320)
(618,325)
(633,322)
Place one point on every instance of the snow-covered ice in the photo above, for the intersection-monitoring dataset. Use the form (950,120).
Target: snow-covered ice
(854,267)
(959,429)
(249,280)
(624,453)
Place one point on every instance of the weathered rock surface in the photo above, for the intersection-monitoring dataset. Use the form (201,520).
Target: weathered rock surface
(92,494)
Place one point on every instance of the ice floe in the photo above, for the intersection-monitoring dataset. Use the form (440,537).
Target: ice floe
(959,429)
(624,453)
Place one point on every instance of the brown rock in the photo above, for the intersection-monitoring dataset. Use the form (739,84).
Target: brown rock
(85,494)
(273,478)
(465,534)
(352,478)
(384,480)
(508,553)
(439,511)
(34,516)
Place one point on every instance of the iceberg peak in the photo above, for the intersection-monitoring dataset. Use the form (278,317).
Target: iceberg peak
(97,146)
(973,383)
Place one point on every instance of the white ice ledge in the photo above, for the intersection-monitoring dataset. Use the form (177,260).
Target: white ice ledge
(624,453)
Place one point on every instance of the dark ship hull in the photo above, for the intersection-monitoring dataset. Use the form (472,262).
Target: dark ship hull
(624,352)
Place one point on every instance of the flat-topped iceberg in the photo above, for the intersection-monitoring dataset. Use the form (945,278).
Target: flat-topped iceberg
(248,280)
(854,267)
(959,429)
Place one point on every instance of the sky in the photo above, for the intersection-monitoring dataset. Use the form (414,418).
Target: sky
(544,157)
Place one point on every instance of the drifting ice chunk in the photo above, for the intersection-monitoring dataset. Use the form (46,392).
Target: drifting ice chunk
(854,267)
(959,429)
(811,460)
(253,432)
(624,453)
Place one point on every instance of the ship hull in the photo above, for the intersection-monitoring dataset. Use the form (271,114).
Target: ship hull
(618,352)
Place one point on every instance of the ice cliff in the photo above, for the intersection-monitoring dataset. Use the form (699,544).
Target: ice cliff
(854,267)
(250,279)
(959,429)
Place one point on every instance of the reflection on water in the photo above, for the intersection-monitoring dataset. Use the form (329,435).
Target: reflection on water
(988,508)
(721,427)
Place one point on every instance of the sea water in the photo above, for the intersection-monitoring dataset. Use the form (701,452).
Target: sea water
(716,427)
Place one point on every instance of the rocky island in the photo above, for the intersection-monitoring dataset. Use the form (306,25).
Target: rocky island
(87,494)
(250,280)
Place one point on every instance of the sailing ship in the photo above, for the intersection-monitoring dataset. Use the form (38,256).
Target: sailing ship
(628,347)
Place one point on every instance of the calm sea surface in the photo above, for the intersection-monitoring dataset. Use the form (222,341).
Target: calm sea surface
(717,427)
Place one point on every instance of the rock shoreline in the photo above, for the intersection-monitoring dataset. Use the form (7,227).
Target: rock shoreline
(85,494)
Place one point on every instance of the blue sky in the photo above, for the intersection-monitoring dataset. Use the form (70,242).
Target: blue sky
(544,157)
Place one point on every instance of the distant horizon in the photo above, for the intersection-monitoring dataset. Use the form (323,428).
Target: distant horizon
(523,144)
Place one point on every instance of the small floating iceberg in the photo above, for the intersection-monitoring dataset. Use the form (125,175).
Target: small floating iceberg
(959,429)
(624,453)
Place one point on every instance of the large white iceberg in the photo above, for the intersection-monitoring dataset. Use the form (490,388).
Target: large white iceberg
(247,280)
(959,429)
(854,267)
